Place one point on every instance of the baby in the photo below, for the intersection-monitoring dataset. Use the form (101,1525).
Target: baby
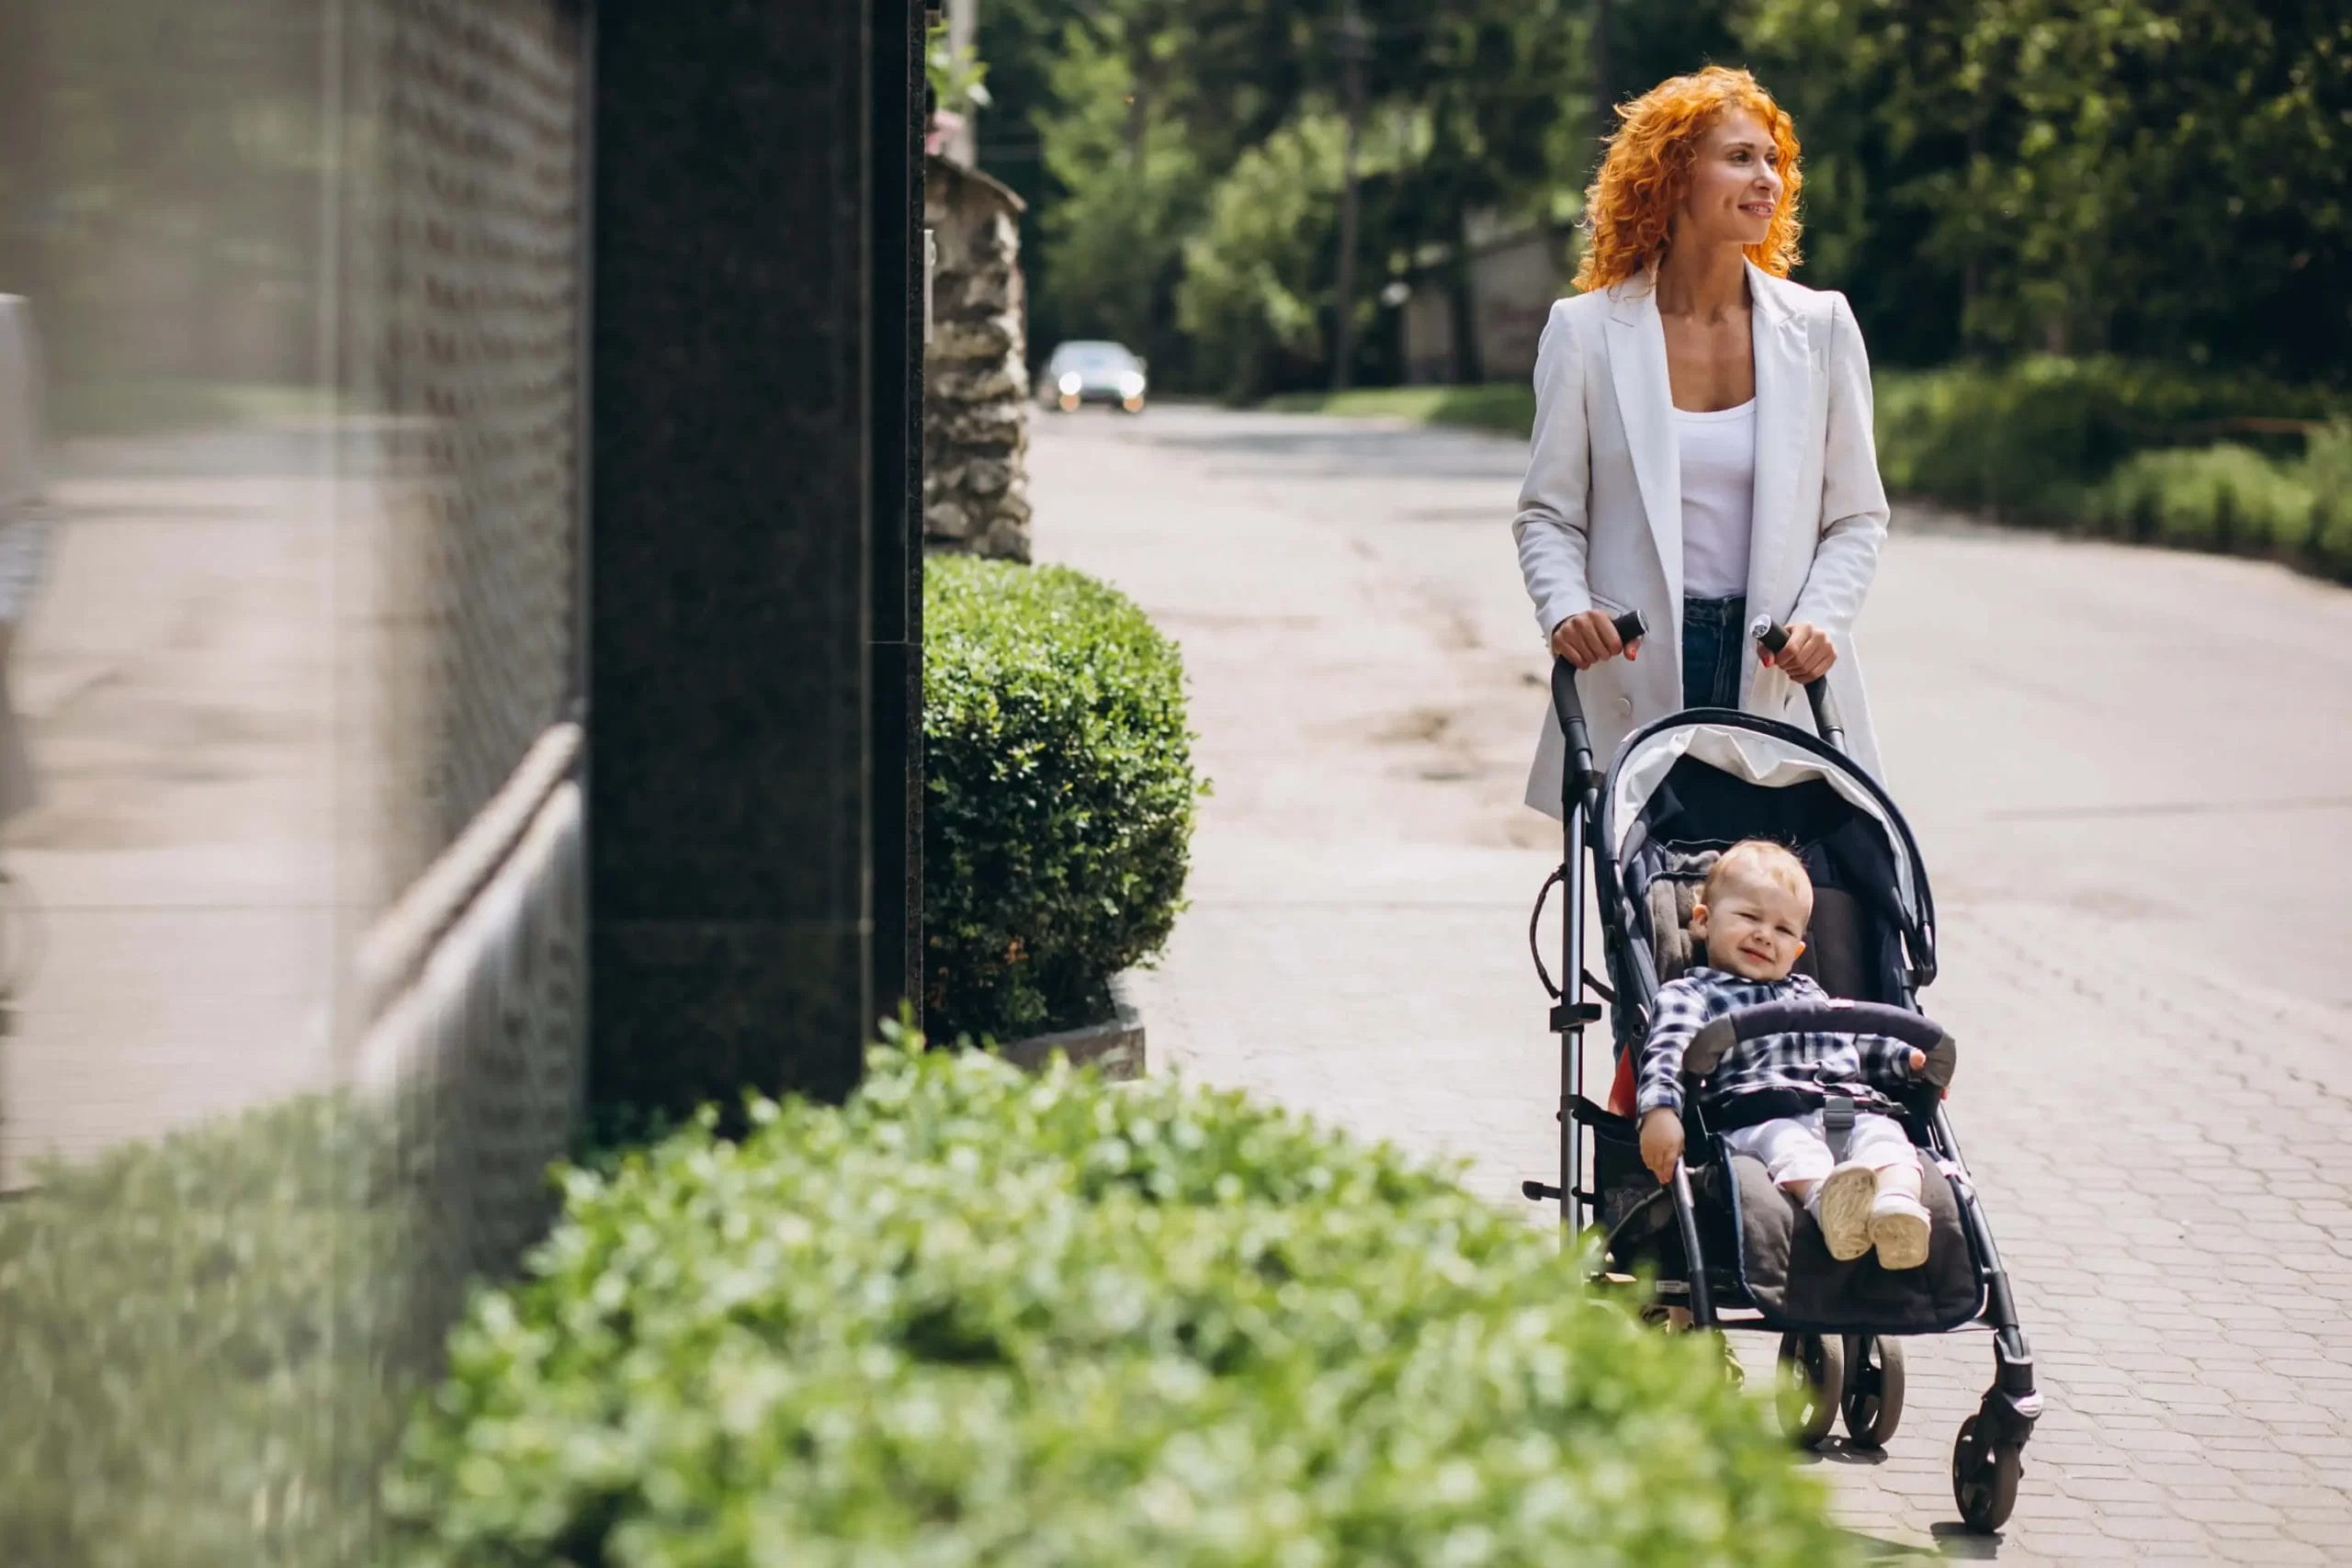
(1752,915)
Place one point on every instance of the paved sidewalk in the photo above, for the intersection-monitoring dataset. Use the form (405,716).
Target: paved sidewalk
(2141,928)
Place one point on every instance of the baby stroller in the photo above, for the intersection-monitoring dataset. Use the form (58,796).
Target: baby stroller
(1720,1240)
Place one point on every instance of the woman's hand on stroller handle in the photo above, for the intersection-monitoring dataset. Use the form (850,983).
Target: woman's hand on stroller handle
(1627,630)
(1801,651)
(1589,638)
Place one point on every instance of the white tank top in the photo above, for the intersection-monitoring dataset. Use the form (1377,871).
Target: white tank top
(1718,498)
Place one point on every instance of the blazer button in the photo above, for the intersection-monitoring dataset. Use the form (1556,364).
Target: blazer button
(1624,707)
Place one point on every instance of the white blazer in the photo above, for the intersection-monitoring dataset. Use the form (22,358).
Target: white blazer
(1599,521)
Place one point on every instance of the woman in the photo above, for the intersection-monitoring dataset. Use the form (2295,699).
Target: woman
(1703,449)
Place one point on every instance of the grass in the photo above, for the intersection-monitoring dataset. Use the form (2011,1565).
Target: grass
(1505,407)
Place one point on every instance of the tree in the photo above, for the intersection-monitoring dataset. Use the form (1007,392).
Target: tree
(1254,284)
(2013,175)
(1132,189)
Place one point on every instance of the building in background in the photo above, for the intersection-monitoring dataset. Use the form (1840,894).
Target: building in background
(1515,275)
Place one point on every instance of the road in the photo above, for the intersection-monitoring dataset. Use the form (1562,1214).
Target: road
(2131,781)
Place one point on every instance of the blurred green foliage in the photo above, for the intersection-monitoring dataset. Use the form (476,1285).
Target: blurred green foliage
(2230,497)
(2025,439)
(164,198)
(210,1343)
(2158,180)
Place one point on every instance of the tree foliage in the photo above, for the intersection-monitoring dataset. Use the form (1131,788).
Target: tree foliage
(2154,177)
(2161,179)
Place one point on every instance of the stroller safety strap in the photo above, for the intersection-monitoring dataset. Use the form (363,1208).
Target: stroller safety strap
(1837,1125)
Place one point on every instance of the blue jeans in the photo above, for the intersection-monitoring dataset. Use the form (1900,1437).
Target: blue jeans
(1711,647)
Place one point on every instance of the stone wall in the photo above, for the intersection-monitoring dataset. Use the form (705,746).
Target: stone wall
(976,377)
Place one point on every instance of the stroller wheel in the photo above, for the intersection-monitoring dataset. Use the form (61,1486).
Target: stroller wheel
(1812,1375)
(1983,1479)
(1873,1399)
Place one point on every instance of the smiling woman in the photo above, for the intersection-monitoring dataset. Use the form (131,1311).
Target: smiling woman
(1702,449)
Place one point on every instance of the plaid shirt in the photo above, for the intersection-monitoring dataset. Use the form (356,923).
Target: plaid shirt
(1809,1065)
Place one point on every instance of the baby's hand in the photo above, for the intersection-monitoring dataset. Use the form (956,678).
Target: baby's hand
(1919,1065)
(1662,1142)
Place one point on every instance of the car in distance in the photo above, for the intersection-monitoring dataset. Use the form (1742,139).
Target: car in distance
(1089,372)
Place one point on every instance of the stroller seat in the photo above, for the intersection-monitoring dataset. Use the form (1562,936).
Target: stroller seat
(1834,945)
(1756,1237)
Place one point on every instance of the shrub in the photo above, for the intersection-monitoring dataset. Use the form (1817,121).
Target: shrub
(1058,812)
(208,1339)
(2327,470)
(976,1316)
(2026,438)
(2225,496)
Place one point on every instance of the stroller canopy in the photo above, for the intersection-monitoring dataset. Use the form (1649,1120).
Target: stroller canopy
(1700,781)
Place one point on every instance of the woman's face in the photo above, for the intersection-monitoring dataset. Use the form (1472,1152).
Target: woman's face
(1734,185)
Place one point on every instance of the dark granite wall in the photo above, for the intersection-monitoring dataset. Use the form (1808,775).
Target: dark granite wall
(750,643)
(897,551)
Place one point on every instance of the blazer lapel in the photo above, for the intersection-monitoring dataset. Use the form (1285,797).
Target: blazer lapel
(1645,404)
(1783,401)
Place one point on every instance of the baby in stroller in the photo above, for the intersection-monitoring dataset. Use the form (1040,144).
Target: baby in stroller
(1812,1108)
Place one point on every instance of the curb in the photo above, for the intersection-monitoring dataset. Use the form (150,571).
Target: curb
(1114,1048)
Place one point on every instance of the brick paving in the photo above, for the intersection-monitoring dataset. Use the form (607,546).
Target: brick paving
(2142,927)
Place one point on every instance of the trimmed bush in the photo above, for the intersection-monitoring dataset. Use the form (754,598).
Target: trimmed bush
(1057,811)
(209,1341)
(977,1317)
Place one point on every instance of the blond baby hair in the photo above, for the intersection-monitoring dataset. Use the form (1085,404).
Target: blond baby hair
(1763,859)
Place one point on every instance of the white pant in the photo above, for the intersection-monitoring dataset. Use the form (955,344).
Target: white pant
(1794,1149)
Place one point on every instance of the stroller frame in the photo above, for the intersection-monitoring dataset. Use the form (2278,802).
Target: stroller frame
(1985,1458)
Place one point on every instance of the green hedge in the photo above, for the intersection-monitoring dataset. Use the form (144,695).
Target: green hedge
(2233,498)
(1058,797)
(977,1317)
(2029,439)
(204,1347)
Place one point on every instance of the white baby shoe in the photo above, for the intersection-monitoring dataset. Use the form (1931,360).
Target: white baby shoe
(1898,1228)
(1842,1205)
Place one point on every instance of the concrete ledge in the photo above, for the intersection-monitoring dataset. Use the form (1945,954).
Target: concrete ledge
(1115,1046)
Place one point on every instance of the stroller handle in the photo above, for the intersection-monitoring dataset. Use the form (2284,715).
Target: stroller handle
(1714,1041)
(1772,636)
(1578,773)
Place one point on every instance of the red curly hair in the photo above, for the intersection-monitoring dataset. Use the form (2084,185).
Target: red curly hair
(1647,173)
